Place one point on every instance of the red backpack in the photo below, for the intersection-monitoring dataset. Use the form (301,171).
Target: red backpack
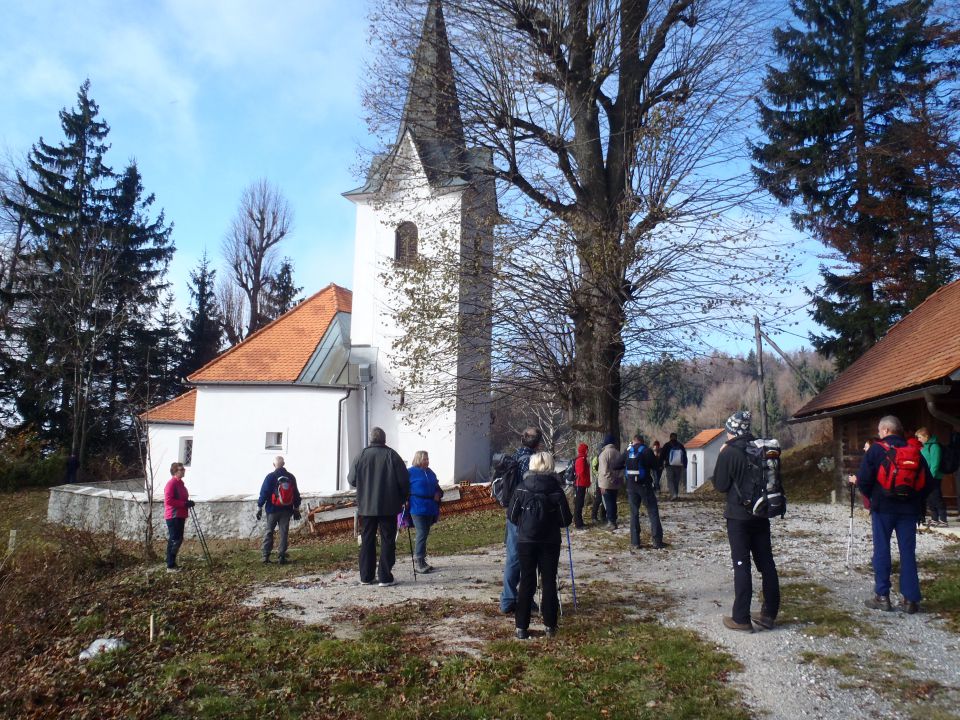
(899,475)
(284,493)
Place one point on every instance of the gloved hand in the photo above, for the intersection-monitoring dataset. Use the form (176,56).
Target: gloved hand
(296,514)
(259,513)
(190,504)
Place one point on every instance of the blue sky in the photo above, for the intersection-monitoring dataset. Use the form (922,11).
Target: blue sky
(207,96)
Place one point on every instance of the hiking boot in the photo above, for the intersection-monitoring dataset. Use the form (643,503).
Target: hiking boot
(266,561)
(659,545)
(422,566)
(521,634)
(386,583)
(366,582)
(731,624)
(879,602)
(910,607)
(611,526)
(282,560)
(174,569)
(764,622)
(509,610)
(550,632)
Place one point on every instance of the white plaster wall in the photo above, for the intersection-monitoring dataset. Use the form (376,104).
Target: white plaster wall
(706,462)
(230,427)
(164,441)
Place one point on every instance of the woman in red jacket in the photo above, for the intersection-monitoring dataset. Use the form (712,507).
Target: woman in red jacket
(176,506)
(581,469)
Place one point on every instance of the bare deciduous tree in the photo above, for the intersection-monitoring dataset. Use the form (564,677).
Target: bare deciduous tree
(263,220)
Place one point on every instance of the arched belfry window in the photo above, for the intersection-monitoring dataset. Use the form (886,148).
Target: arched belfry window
(406,238)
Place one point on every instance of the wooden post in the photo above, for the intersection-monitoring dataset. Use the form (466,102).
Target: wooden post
(763,393)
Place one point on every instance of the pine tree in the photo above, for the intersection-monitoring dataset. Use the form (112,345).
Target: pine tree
(281,292)
(204,328)
(164,359)
(831,117)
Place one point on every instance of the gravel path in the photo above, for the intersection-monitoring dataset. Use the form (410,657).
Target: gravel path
(781,677)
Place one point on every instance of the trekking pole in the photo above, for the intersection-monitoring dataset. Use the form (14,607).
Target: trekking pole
(573,583)
(412,561)
(850,534)
(203,540)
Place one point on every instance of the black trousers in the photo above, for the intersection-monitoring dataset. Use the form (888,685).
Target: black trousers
(387,527)
(598,508)
(644,494)
(751,537)
(579,495)
(938,509)
(544,557)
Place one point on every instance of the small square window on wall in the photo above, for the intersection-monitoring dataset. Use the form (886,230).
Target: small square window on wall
(186,450)
(274,441)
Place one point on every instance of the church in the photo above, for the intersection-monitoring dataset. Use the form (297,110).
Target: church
(310,385)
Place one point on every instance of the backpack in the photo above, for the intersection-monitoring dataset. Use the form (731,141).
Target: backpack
(950,455)
(640,473)
(569,475)
(676,457)
(283,495)
(506,477)
(760,488)
(899,474)
(536,514)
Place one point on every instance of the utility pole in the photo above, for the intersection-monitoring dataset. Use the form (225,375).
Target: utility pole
(763,393)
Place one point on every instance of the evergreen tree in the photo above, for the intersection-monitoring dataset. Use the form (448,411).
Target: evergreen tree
(831,116)
(204,328)
(281,292)
(164,360)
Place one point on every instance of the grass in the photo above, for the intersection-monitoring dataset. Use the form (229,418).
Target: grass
(942,591)
(215,658)
(813,606)
(802,479)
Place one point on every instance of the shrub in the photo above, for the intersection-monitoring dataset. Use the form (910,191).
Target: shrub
(25,462)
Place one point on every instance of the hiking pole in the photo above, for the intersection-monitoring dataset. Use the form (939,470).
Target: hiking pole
(413,562)
(850,534)
(573,583)
(203,540)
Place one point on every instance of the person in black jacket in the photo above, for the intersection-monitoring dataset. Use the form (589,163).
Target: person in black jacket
(538,541)
(673,459)
(383,486)
(639,463)
(747,533)
(278,515)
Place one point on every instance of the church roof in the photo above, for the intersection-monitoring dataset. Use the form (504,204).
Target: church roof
(431,113)
(919,351)
(702,438)
(279,352)
(178,411)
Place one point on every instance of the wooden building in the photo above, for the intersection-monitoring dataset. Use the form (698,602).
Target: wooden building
(913,373)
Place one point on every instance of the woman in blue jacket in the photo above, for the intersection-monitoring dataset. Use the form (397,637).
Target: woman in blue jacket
(424,505)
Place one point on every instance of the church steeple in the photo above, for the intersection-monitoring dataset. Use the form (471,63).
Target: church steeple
(431,113)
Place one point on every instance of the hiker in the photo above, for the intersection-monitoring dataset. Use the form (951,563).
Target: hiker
(610,478)
(581,470)
(892,513)
(748,534)
(280,496)
(638,464)
(657,466)
(424,502)
(529,443)
(931,453)
(540,509)
(673,458)
(176,507)
(597,511)
(383,485)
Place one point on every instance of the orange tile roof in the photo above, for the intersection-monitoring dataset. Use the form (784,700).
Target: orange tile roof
(922,349)
(702,438)
(279,351)
(179,410)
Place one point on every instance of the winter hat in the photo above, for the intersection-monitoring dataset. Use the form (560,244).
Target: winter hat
(582,449)
(738,423)
(608,439)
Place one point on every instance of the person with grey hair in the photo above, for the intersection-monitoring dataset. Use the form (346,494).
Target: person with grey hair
(539,509)
(748,534)
(383,485)
(425,497)
(530,441)
(280,496)
(890,513)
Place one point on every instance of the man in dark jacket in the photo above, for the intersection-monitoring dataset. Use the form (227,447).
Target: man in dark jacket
(639,463)
(383,485)
(529,442)
(278,512)
(673,459)
(889,515)
(748,534)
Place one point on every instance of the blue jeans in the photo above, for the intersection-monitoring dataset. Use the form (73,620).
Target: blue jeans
(511,570)
(174,539)
(884,525)
(422,523)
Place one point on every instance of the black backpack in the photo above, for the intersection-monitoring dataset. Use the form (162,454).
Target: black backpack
(536,514)
(569,478)
(506,477)
(760,488)
(950,455)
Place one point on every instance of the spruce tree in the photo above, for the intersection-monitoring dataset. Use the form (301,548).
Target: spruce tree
(281,292)
(204,327)
(850,70)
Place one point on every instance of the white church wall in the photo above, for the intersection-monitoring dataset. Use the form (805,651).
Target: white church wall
(168,443)
(240,429)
